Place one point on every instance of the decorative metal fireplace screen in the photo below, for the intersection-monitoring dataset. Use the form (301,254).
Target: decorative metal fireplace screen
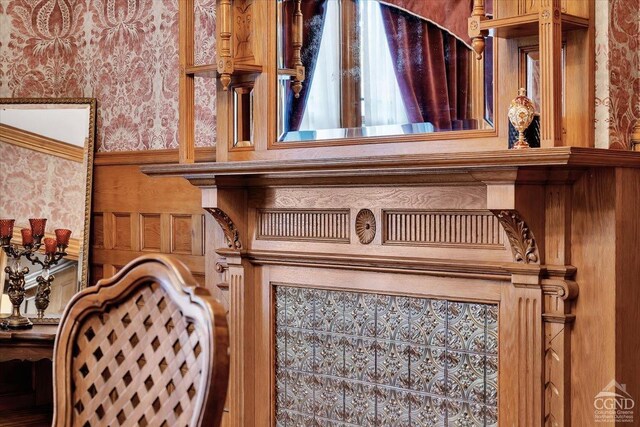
(347,358)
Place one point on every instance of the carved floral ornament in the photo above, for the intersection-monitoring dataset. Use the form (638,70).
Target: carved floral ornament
(522,240)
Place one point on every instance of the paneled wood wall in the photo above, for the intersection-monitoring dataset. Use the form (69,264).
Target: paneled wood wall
(134,214)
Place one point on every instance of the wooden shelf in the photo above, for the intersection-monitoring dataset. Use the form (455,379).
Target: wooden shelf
(367,167)
(205,70)
(528,25)
(211,70)
(287,72)
(247,68)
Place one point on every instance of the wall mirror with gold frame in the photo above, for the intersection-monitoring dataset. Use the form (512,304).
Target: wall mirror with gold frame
(46,159)
(362,68)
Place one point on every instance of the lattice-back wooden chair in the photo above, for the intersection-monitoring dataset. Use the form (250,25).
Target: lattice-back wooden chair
(148,347)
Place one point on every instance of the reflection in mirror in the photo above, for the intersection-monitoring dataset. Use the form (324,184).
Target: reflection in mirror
(243,115)
(65,286)
(374,68)
(532,76)
(529,79)
(46,159)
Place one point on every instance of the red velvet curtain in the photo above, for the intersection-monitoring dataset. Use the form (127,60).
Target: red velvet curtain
(313,12)
(450,14)
(432,68)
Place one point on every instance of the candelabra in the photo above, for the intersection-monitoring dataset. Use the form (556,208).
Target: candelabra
(32,240)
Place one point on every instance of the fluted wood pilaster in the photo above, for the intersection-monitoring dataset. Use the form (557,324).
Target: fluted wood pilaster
(550,73)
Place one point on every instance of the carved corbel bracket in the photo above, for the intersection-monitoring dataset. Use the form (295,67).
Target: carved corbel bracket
(521,238)
(228,227)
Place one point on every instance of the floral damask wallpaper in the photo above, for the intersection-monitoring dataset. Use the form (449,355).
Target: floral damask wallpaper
(624,70)
(42,185)
(122,52)
(617,72)
(602,78)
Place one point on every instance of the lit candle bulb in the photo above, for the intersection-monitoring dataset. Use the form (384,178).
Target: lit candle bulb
(27,236)
(50,246)
(62,236)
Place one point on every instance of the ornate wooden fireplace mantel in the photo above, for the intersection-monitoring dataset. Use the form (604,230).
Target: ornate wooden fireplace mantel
(507,234)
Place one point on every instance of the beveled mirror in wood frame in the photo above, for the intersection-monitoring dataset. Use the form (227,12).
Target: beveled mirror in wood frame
(379,68)
(46,159)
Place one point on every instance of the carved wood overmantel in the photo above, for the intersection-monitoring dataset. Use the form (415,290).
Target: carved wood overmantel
(544,236)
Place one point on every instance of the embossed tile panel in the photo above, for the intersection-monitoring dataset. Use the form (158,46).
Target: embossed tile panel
(361,359)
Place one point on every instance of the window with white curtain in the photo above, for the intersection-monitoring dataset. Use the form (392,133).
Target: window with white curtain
(323,104)
(381,98)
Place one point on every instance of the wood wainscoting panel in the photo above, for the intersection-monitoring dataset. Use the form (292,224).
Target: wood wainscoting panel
(97,230)
(150,157)
(627,289)
(151,215)
(605,247)
(150,232)
(134,214)
(594,332)
(181,234)
(122,230)
(97,272)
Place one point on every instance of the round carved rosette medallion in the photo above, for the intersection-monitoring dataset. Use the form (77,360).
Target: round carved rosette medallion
(365,226)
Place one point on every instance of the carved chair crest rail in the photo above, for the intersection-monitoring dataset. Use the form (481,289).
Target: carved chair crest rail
(148,346)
